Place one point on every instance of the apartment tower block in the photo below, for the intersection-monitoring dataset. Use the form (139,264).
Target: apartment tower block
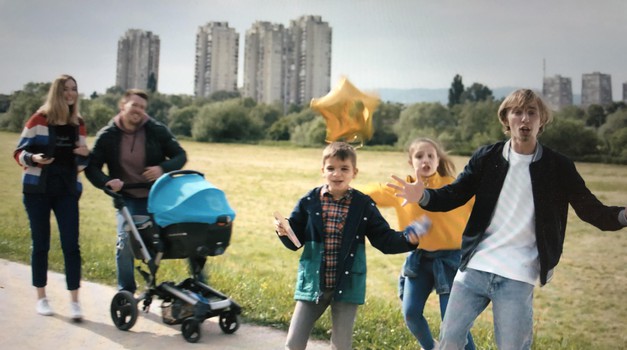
(138,60)
(558,92)
(265,63)
(290,65)
(596,88)
(217,54)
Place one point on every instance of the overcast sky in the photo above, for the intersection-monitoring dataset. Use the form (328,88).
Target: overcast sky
(376,43)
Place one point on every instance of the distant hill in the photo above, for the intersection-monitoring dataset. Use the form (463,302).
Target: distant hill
(410,96)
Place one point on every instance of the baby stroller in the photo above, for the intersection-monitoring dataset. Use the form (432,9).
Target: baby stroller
(190,218)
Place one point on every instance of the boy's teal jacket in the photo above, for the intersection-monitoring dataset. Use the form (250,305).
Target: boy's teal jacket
(363,219)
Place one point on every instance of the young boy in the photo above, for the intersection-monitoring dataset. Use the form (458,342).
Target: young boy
(332,222)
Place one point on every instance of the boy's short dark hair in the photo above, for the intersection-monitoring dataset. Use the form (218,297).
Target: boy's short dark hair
(340,150)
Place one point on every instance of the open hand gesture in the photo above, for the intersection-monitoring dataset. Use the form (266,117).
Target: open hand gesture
(411,192)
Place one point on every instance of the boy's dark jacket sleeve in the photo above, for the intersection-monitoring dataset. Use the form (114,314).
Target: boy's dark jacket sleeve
(364,220)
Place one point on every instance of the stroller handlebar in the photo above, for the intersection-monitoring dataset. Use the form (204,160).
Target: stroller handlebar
(118,200)
(185,172)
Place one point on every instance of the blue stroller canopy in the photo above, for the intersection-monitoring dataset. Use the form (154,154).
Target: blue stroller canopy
(185,196)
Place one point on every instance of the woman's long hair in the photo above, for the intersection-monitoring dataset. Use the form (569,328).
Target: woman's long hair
(56,109)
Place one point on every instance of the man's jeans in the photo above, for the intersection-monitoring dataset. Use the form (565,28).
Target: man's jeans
(124,253)
(512,307)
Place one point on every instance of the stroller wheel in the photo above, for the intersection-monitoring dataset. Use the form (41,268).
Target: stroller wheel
(191,330)
(124,310)
(229,322)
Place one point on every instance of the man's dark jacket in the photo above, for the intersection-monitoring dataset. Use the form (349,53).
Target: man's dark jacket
(162,149)
(555,184)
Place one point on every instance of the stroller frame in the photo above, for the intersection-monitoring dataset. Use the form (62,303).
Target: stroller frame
(199,299)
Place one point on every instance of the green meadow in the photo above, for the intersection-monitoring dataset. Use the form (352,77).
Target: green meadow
(582,308)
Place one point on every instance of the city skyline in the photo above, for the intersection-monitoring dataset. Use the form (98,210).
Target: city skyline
(376,44)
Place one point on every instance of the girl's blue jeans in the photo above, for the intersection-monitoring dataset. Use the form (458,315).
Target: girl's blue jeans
(415,294)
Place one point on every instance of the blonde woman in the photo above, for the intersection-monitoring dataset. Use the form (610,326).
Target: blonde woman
(52,150)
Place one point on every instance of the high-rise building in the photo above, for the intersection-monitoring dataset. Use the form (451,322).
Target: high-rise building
(265,62)
(138,60)
(217,48)
(308,55)
(557,91)
(290,65)
(596,88)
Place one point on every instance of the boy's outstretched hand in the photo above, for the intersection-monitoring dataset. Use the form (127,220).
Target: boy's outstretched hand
(411,192)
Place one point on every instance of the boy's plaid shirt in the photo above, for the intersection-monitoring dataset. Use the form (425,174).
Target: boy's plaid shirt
(333,217)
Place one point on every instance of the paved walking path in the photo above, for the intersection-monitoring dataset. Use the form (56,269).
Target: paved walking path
(22,328)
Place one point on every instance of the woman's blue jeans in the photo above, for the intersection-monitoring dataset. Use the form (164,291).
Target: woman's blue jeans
(65,208)
(512,308)
(416,292)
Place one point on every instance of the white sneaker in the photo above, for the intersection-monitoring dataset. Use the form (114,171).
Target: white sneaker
(75,312)
(43,307)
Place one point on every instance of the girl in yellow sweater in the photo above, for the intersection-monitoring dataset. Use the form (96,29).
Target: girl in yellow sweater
(434,263)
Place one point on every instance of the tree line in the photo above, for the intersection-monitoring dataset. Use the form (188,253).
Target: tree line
(469,120)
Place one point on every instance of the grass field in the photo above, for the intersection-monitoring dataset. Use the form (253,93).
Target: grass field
(582,308)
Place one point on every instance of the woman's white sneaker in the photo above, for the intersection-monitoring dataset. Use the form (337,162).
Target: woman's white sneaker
(43,307)
(75,312)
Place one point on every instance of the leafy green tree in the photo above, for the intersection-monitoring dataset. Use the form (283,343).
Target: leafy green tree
(283,128)
(24,103)
(595,115)
(180,120)
(615,123)
(5,102)
(180,101)
(159,107)
(383,121)
(615,106)
(267,114)
(570,112)
(311,133)
(618,142)
(224,95)
(477,125)
(571,137)
(226,121)
(152,83)
(456,91)
(423,119)
(476,92)
(115,90)
(96,114)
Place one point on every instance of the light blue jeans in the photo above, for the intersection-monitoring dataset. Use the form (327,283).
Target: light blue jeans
(124,252)
(417,291)
(512,308)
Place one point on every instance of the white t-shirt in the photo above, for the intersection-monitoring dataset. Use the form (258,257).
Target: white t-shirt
(509,247)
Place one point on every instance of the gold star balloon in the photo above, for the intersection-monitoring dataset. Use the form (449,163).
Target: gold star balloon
(348,113)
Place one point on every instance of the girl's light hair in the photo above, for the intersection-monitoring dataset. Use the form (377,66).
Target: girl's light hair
(446,167)
(523,99)
(56,109)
